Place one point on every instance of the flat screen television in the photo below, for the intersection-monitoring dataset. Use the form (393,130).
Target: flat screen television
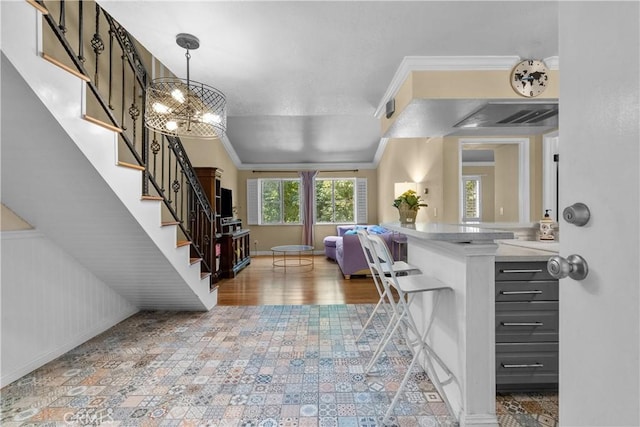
(226,203)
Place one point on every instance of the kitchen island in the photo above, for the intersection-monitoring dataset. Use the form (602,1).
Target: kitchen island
(463,331)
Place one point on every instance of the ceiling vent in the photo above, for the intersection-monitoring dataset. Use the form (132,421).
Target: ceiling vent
(511,114)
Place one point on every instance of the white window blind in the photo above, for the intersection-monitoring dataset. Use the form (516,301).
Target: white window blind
(361,201)
(253,202)
(471,198)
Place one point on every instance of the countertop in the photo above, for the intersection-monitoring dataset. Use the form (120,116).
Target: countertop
(524,250)
(509,249)
(453,233)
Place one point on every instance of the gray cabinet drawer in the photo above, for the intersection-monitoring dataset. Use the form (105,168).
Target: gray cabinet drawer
(526,363)
(526,321)
(527,291)
(526,327)
(516,271)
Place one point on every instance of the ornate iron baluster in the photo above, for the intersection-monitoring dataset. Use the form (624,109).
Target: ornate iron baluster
(146,178)
(162,163)
(98,45)
(145,160)
(61,21)
(80,33)
(110,69)
(155,148)
(175,184)
(184,189)
(134,111)
(168,194)
(123,124)
(192,207)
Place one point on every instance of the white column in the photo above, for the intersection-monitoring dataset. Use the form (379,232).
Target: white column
(463,333)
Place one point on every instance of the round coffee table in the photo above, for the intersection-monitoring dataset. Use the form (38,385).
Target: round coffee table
(292,256)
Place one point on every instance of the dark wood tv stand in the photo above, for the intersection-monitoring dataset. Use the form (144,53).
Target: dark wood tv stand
(235,248)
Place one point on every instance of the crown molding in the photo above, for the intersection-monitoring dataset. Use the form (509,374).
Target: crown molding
(294,167)
(380,151)
(449,63)
(230,151)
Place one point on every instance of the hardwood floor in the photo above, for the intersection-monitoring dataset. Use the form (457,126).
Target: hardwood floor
(262,284)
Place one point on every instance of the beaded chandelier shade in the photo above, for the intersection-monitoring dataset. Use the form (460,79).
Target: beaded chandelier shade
(185,108)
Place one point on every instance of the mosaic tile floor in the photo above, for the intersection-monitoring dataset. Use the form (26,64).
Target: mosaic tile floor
(239,366)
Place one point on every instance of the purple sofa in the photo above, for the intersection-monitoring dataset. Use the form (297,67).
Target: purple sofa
(345,248)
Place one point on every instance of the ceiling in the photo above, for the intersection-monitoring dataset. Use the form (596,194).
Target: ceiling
(303,79)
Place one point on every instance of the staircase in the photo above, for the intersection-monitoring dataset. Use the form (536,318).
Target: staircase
(61,173)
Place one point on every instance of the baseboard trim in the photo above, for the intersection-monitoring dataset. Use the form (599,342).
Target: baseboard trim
(479,420)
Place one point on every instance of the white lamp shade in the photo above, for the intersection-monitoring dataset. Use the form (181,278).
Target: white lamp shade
(401,187)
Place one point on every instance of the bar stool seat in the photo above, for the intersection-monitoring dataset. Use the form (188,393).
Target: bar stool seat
(401,267)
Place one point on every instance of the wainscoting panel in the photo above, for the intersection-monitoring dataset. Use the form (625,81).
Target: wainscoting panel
(50,303)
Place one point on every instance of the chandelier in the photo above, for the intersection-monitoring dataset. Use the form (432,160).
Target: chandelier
(185,108)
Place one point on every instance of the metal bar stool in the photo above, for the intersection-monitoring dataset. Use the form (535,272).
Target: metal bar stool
(408,287)
(399,267)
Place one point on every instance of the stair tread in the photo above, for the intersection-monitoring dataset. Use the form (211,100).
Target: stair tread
(204,275)
(165,224)
(64,67)
(131,166)
(39,7)
(183,243)
(194,260)
(102,124)
(151,198)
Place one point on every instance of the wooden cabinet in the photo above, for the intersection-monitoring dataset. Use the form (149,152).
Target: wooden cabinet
(231,241)
(526,326)
(210,180)
(235,247)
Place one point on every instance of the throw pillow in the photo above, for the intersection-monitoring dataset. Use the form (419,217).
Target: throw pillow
(376,229)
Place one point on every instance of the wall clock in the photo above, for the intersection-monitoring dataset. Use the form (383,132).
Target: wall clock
(529,78)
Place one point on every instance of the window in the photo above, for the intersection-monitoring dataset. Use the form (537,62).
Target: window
(335,200)
(280,201)
(471,198)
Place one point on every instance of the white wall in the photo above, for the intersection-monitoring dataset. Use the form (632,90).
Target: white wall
(50,303)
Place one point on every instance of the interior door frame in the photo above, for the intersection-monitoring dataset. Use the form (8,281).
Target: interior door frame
(550,147)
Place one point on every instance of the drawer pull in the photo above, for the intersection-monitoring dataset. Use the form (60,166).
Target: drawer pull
(535,292)
(529,365)
(521,271)
(521,323)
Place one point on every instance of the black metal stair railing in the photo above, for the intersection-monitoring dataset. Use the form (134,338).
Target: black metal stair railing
(118,79)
